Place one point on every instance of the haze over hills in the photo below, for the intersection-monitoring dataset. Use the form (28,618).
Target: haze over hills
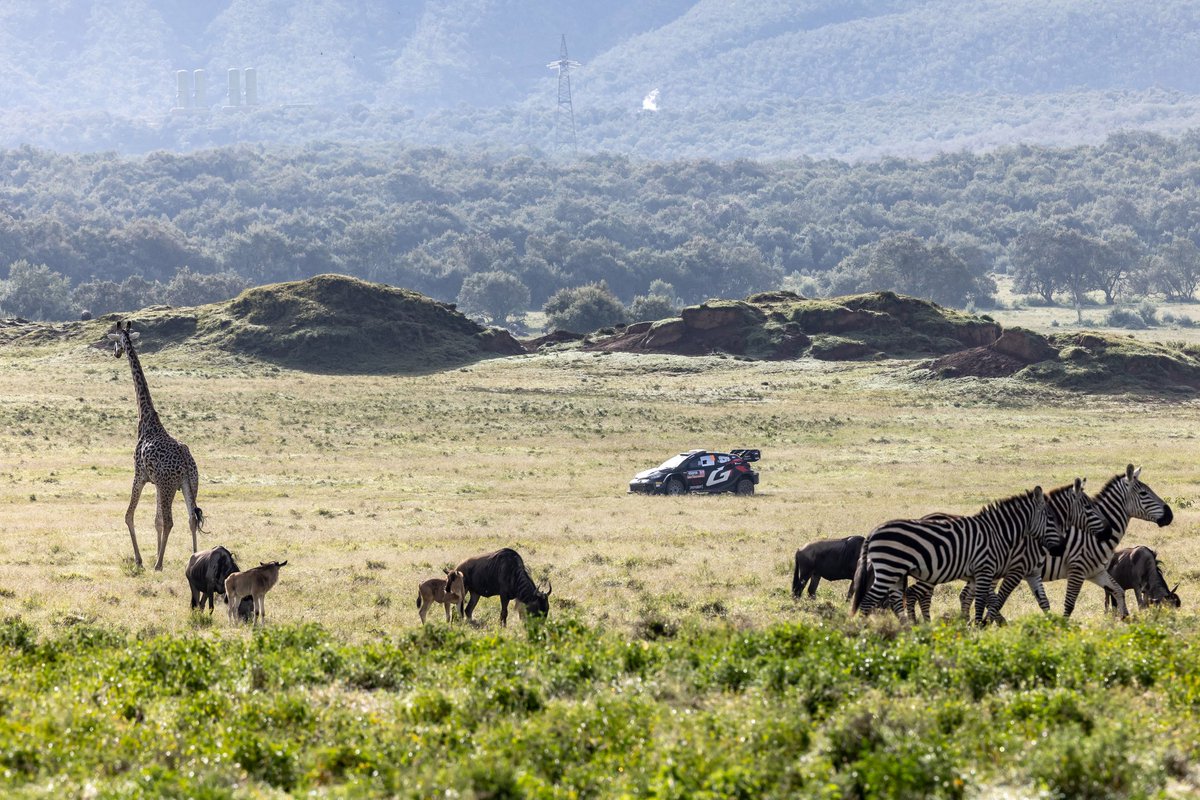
(752,78)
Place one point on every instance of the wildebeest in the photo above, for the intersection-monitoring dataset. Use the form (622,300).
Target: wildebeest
(503,573)
(831,559)
(206,573)
(448,591)
(1138,568)
(255,583)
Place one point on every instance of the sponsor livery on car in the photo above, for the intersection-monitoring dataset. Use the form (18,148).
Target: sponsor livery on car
(700,471)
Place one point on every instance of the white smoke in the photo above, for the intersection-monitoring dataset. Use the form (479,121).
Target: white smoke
(650,101)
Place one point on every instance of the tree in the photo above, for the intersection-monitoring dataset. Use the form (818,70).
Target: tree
(905,263)
(1175,269)
(659,302)
(1051,257)
(495,295)
(1115,256)
(584,309)
(37,292)
(189,288)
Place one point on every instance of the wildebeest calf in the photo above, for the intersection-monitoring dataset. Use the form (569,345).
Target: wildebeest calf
(448,591)
(206,573)
(254,583)
(503,573)
(1138,568)
(831,559)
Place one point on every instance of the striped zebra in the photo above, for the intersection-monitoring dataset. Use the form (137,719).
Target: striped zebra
(1072,510)
(1086,556)
(944,548)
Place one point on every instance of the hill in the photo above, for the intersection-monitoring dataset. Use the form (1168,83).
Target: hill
(761,78)
(879,325)
(330,323)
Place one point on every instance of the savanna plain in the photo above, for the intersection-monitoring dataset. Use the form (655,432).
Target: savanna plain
(674,663)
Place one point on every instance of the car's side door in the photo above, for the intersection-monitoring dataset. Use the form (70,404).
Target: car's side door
(698,468)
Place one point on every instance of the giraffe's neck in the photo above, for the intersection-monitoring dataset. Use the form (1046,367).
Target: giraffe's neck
(148,421)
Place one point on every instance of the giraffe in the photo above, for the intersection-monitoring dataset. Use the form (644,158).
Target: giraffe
(158,458)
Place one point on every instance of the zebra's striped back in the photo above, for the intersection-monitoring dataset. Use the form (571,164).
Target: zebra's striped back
(943,547)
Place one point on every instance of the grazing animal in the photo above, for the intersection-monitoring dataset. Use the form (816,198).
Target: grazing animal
(206,573)
(943,548)
(831,559)
(255,583)
(448,591)
(503,573)
(1138,568)
(1071,509)
(1086,556)
(157,459)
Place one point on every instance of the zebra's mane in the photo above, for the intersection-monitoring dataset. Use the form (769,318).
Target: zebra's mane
(996,506)
(1111,483)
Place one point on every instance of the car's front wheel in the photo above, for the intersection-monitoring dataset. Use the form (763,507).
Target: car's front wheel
(676,486)
(745,486)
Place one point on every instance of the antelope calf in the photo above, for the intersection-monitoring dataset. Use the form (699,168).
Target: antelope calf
(448,591)
(255,583)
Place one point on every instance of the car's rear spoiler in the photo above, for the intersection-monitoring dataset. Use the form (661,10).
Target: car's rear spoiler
(746,455)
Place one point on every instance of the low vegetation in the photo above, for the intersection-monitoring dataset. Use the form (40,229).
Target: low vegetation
(818,708)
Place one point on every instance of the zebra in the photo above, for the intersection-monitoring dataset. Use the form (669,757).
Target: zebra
(1072,510)
(944,548)
(1086,557)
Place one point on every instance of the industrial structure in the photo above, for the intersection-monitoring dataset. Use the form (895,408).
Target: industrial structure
(564,118)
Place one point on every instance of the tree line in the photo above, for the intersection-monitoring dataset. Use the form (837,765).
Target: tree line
(505,234)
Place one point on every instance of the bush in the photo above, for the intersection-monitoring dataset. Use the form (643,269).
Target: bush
(584,309)
(37,292)
(1148,312)
(1124,318)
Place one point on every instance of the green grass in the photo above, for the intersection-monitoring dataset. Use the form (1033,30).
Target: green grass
(820,708)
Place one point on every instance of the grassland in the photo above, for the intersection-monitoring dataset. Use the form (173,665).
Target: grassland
(368,484)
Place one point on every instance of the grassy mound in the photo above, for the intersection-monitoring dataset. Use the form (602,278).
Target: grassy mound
(1090,362)
(783,325)
(330,323)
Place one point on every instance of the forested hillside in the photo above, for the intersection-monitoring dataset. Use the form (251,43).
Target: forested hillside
(759,78)
(102,232)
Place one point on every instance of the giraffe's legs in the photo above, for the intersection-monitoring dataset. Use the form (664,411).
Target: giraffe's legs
(164,522)
(138,483)
(189,505)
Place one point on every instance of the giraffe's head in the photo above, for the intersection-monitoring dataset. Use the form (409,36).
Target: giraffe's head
(122,338)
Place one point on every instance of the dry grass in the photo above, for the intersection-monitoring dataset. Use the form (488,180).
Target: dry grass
(367,485)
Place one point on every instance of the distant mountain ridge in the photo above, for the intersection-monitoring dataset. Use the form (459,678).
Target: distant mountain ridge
(757,78)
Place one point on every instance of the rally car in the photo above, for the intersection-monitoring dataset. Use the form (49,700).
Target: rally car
(700,471)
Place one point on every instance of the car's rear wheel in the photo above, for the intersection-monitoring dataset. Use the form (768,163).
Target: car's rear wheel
(676,486)
(745,486)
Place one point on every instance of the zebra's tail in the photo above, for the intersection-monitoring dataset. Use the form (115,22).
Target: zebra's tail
(862,580)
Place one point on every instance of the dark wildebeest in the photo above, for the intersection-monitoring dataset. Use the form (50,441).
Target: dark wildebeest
(503,573)
(831,559)
(255,583)
(206,573)
(448,591)
(1138,568)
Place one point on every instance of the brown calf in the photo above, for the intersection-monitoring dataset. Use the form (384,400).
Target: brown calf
(255,583)
(448,591)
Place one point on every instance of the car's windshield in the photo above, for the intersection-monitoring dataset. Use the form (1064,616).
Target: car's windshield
(673,461)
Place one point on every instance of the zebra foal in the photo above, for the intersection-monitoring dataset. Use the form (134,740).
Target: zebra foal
(943,547)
